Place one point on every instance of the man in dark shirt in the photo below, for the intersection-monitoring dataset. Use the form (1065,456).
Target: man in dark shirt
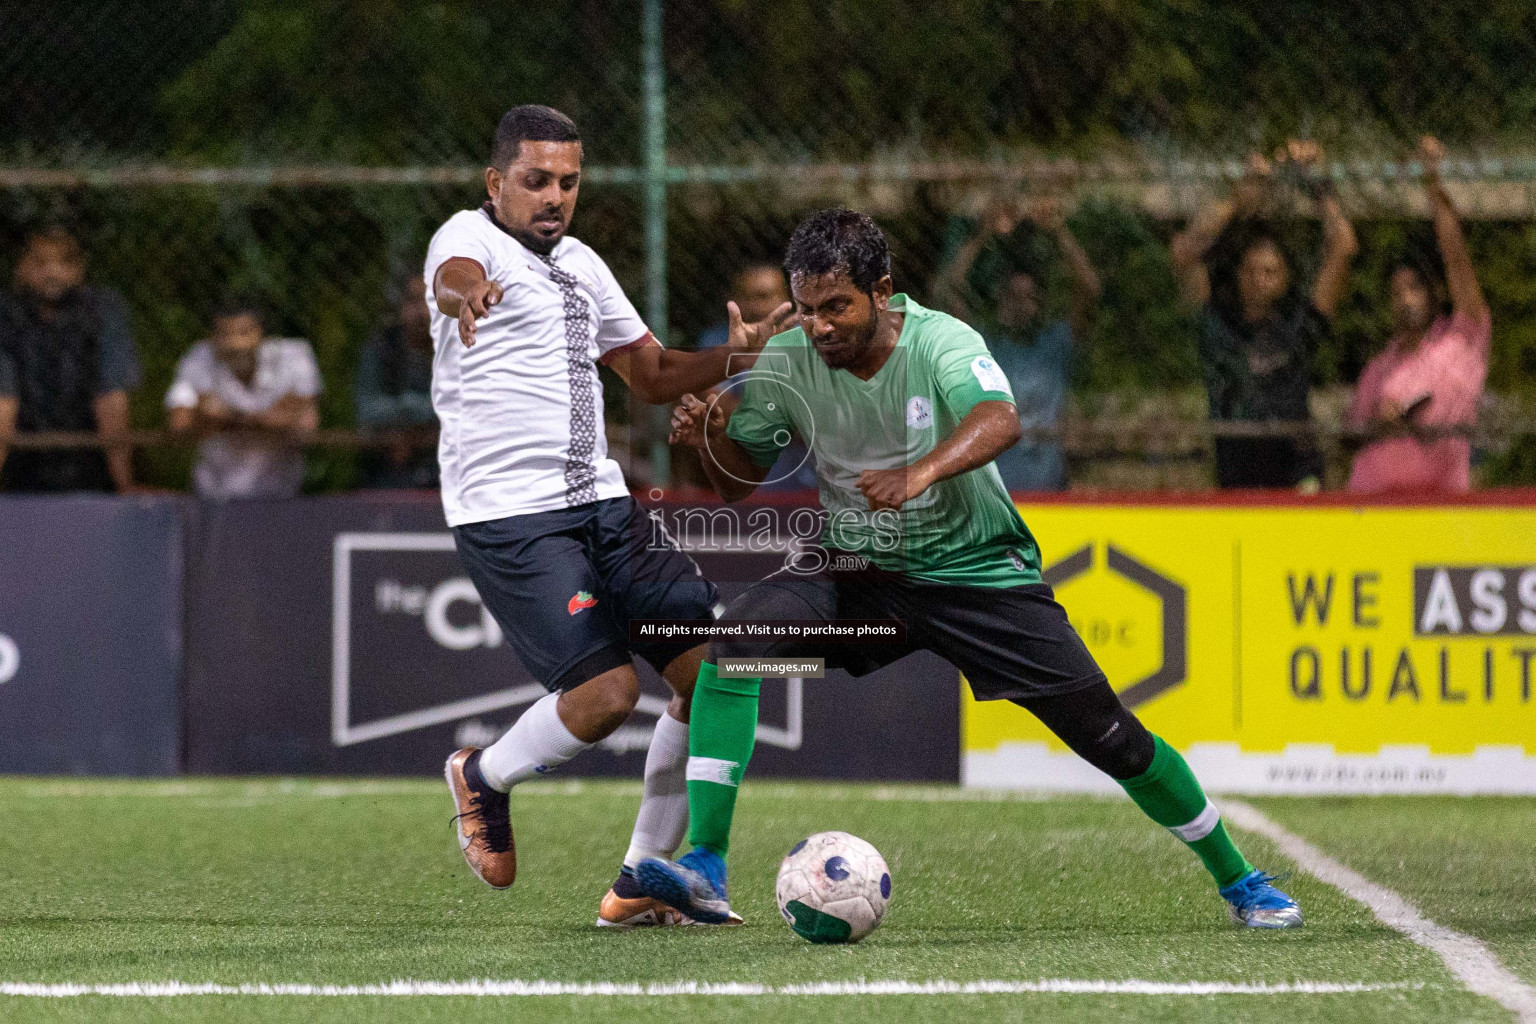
(394,391)
(1258,334)
(67,362)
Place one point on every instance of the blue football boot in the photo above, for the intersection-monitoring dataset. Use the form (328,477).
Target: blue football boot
(1254,903)
(694,884)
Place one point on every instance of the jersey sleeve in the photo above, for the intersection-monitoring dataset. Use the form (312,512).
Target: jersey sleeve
(965,371)
(302,371)
(192,379)
(759,423)
(462,237)
(621,324)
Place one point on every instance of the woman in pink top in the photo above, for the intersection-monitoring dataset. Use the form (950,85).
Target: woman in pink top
(1432,371)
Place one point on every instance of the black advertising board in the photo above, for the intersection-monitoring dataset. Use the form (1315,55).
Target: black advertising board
(342,635)
(90,635)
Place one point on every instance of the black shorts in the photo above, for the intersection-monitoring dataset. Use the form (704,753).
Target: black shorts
(1012,643)
(564,585)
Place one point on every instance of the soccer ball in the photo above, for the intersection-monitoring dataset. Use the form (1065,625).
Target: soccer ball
(833,887)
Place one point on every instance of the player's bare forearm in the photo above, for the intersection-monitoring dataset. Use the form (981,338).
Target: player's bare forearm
(660,376)
(111,411)
(463,292)
(988,430)
(657,375)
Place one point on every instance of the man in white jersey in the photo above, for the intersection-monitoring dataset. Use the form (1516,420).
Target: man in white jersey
(543,522)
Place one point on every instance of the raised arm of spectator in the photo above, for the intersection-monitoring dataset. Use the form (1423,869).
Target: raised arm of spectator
(1339,242)
(1466,294)
(1086,288)
(952,291)
(1189,246)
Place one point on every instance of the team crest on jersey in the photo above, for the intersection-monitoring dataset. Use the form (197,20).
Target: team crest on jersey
(919,413)
(579,601)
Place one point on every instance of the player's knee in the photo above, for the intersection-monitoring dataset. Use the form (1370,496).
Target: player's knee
(1124,749)
(610,698)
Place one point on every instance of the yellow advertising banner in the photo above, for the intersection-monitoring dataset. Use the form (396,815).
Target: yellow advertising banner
(1294,649)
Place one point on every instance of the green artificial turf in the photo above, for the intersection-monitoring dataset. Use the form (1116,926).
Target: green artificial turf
(344,883)
(1467,864)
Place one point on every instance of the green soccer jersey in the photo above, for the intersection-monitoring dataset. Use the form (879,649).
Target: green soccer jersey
(964,530)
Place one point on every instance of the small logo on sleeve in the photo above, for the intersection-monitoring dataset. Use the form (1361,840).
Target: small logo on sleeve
(989,375)
(580,601)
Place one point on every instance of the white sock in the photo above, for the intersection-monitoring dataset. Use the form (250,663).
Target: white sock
(663,817)
(537,743)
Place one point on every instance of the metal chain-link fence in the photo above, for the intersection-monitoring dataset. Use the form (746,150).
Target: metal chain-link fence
(305,151)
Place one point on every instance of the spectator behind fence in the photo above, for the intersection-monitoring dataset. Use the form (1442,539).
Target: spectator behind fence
(394,391)
(1431,373)
(1259,332)
(1033,350)
(254,398)
(67,362)
(759,289)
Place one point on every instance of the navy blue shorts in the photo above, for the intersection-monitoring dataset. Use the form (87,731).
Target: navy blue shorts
(564,585)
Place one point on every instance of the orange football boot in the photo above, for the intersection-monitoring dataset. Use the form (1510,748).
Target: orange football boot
(484,824)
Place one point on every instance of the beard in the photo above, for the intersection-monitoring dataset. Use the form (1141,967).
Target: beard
(541,244)
(846,352)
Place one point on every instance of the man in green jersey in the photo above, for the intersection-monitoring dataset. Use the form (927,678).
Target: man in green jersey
(905,411)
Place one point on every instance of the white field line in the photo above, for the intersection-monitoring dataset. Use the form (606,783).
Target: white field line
(1467,958)
(309,789)
(162,989)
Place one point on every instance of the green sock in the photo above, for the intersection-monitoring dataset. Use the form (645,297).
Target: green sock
(1170,795)
(722,728)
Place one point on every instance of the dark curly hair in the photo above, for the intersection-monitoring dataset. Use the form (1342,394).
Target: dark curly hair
(839,241)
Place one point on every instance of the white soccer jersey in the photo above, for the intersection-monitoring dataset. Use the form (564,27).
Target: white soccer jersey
(230,465)
(522,411)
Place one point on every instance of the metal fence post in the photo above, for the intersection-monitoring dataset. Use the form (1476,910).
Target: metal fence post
(655,216)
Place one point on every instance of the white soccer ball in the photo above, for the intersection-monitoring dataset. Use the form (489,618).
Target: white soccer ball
(833,887)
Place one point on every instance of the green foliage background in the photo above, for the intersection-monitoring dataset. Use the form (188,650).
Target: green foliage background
(394,82)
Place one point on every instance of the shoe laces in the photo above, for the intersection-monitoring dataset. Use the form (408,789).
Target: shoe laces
(1257,889)
(495,818)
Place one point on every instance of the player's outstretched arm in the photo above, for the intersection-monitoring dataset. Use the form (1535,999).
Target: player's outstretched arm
(701,425)
(658,375)
(464,292)
(988,430)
